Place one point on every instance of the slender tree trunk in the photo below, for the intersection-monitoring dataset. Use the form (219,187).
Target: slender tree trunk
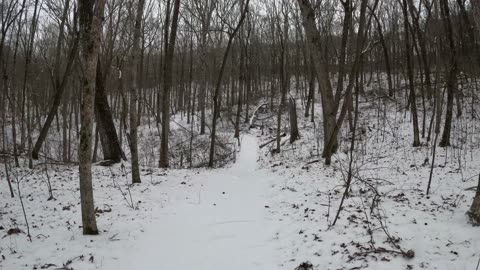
(167,84)
(343,48)
(91,16)
(241,81)
(452,74)
(422,44)
(28,59)
(216,94)
(134,82)
(385,54)
(411,82)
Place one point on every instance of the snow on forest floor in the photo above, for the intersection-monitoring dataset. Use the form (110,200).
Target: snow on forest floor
(199,219)
(392,176)
(263,212)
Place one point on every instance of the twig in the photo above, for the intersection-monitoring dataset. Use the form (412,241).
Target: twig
(21,202)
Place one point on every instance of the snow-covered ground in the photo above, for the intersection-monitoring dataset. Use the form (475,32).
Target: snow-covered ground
(221,222)
(199,219)
(392,176)
(266,211)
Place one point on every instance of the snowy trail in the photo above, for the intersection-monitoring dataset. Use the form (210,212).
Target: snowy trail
(225,227)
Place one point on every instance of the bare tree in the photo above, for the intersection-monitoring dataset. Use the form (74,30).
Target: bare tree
(326,92)
(231,35)
(134,82)
(474,211)
(452,74)
(91,16)
(59,81)
(412,101)
(167,85)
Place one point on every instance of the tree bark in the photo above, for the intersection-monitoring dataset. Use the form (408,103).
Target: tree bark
(452,74)
(111,146)
(326,92)
(292,107)
(385,55)
(422,45)
(231,36)
(134,82)
(476,14)
(343,48)
(60,89)
(411,82)
(474,211)
(91,16)
(167,84)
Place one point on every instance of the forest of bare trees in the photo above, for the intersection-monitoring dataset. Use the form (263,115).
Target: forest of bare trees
(164,83)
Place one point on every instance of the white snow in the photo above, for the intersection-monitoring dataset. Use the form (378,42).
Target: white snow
(225,226)
(265,212)
(197,219)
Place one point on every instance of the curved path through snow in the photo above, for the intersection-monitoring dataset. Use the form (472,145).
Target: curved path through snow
(227,229)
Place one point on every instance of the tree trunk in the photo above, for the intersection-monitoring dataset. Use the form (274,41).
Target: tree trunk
(343,48)
(111,146)
(411,82)
(475,208)
(60,89)
(452,74)
(476,14)
(59,85)
(231,36)
(241,82)
(91,15)
(292,107)
(134,82)
(385,54)
(28,59)
(326,92)
(167,84)
(422,44)
(474,211)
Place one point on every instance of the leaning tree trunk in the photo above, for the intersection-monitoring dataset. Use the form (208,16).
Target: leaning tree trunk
(59,85)
(91,14)
(111,146)
(216,93)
